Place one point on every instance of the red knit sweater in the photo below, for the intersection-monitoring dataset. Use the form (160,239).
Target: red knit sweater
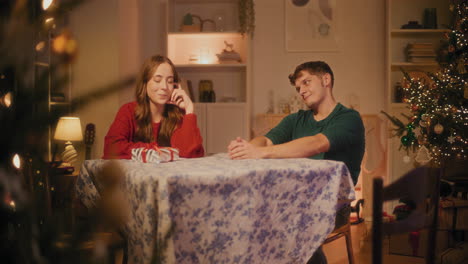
(119,141)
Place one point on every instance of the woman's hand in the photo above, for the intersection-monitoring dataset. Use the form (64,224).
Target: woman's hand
(180,98)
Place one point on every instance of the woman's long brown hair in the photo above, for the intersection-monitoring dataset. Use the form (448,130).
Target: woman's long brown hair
(172,114)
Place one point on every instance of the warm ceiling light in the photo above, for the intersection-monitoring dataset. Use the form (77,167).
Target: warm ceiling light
(17,161)
(46,4)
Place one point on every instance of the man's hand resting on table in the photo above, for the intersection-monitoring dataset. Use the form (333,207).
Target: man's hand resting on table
(241,149)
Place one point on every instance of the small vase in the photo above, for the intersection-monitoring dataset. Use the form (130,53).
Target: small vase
(220,21)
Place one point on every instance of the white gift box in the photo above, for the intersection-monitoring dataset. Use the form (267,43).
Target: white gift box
(155,155)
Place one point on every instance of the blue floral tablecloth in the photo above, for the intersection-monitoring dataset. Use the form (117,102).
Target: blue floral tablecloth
(228,211)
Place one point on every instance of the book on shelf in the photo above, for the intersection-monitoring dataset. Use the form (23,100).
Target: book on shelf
(421,56)
(228,62)
(422,59)
(420,50)
(418,45)
(422,53)
(57,97)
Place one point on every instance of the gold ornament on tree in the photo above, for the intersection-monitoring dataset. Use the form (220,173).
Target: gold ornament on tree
(422,123)
(438,129)
(425,120)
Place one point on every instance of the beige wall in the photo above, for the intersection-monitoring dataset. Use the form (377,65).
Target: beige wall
(94,26)
(115,36)
(358,65)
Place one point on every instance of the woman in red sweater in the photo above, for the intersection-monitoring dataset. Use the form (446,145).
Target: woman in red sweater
(162,116)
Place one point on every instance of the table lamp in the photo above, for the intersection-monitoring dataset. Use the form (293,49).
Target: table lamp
(69,129)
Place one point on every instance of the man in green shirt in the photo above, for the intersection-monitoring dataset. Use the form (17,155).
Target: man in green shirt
(328,130)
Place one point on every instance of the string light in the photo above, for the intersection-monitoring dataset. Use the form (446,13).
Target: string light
(16,161)
(49,20)
(46,4)
(6,100)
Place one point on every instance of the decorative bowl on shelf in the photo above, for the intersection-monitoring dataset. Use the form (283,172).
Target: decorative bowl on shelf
(188,25)
(190,28)
(412,25)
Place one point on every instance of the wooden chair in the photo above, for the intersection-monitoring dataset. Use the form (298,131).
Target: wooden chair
(114,240)
(84,251)
(417,185)
(345,231)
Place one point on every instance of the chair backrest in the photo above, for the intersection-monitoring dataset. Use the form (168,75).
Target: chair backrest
(416,186)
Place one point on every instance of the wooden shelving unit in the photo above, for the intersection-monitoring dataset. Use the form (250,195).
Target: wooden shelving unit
(194,54)
(398,13)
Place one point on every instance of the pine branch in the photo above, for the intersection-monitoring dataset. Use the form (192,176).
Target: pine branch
(395,121)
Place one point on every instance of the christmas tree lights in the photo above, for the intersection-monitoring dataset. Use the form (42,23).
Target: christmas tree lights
(438,120)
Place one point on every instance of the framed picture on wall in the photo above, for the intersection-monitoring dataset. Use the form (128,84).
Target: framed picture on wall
(311,25)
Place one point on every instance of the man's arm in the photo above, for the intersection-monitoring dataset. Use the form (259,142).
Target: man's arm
(254,148)
(298,148)
(261,141)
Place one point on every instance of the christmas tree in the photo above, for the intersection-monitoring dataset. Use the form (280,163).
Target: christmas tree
(438,120)
(29,28)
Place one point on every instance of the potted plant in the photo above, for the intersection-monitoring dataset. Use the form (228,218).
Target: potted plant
(188,24)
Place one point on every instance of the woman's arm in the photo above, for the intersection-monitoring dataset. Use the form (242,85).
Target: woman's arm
(118,142)
(187,138)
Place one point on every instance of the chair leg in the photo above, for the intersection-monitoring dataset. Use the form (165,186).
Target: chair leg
(349,247)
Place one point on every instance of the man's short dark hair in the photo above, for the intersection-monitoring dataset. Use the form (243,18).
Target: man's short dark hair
(313,67)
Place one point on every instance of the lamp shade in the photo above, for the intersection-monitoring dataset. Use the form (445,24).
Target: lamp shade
(68,128)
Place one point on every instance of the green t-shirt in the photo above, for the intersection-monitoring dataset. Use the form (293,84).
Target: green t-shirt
(343,128)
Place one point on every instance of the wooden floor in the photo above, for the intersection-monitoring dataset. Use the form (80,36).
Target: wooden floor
(336,250)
